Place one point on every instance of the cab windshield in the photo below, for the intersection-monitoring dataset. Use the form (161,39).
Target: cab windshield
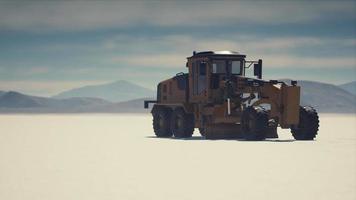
(224,66)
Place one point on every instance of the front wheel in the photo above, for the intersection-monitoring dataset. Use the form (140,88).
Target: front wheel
(202,132)
(254,123)
(308,125)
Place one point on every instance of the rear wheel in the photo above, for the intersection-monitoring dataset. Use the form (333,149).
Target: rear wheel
(254,123)
(182,124)
(202,132)
(202,129)
(308,125)
(271,132)
(162,122)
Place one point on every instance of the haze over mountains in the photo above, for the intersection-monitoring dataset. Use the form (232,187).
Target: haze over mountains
(123,96)
(115,92)
(350,87)
(14,102)
(17,102)
(327,97)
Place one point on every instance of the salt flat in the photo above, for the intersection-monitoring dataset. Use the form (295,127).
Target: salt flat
(99,156)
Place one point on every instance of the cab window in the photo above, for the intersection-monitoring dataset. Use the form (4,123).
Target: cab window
(202,69)
(219,67)
(236,67)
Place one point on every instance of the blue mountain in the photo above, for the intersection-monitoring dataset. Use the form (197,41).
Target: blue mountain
(350,87)
(115,92)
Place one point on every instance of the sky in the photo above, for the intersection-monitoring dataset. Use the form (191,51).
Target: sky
(51,46)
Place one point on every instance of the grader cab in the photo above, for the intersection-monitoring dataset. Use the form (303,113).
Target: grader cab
(219,99)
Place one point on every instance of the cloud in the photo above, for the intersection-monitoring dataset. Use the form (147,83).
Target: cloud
(156,37)
(288,61)
(37,70)
(187,43)
(171,51)
(160,60)
(270,60)
(92,15)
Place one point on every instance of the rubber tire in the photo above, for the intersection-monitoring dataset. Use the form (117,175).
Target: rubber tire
(271,132)
(162,122)
(182,124)
(254,123)
(202,132)
(308,125)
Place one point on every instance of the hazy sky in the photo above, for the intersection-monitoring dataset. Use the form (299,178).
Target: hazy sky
(49,46)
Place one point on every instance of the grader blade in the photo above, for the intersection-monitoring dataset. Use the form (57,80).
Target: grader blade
(223,131)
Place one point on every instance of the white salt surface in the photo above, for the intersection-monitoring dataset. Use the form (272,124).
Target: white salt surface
(64,157)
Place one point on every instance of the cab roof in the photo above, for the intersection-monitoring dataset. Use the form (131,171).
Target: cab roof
(217,53)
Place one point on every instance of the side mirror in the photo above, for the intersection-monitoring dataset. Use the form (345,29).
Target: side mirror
(257,69)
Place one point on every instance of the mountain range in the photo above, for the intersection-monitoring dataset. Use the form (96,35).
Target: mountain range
(115,92)
(324,97)
(14,102)
(17,102)
(350,87)
(327,97)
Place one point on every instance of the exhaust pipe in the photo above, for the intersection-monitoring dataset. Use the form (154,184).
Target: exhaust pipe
(228,106)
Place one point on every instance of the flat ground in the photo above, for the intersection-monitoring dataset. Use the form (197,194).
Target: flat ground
(116,157)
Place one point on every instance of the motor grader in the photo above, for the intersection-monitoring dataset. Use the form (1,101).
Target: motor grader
(219,99)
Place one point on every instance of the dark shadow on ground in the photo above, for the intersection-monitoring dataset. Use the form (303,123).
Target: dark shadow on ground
(173,138)
(232,139)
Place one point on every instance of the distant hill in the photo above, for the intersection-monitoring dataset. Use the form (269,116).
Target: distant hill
(326,97)
(132,106)
(1,93)
(115,92)
(17,102)
(350,87)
